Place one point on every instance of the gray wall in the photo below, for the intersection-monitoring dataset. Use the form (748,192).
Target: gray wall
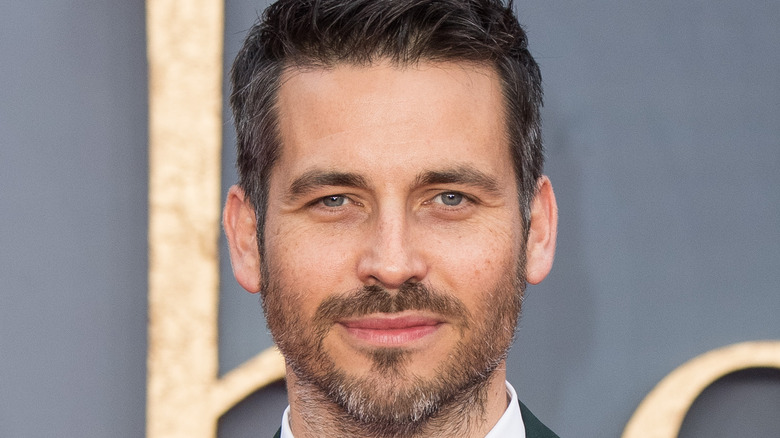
(661,124)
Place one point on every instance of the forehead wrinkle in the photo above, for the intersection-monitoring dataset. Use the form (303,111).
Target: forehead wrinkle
(464,175)
(315,178)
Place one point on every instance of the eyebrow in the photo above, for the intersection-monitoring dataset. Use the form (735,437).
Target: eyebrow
(465,175)
(313,179)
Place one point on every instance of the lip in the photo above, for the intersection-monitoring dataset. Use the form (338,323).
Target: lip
(391,330)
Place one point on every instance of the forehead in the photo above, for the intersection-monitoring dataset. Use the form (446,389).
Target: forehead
(383,115)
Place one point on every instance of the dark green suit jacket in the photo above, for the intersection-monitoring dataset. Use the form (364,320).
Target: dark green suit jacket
(533,427)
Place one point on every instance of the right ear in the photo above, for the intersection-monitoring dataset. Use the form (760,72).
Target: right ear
(240,225)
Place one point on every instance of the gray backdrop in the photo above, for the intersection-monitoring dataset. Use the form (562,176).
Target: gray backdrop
(663,144)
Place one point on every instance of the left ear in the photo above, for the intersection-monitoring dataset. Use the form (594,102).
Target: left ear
(540,247)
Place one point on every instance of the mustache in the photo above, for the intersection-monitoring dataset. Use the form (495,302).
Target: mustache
(378,299)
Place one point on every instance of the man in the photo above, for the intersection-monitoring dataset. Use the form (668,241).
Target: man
(390,210)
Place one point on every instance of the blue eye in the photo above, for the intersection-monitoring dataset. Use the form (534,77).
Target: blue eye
(452,199)
(334,200)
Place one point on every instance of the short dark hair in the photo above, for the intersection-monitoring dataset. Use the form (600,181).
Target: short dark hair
(325,33)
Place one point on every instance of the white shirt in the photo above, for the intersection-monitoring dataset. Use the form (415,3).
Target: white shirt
(510,425)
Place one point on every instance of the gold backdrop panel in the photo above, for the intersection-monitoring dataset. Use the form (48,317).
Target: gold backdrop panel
(662,412)
(184,395)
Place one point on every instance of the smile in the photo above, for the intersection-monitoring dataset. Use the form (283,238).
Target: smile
(391,331)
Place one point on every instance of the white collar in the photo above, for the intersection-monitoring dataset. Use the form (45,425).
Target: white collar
(510,425)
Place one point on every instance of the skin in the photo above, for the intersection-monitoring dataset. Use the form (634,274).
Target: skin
(358,198)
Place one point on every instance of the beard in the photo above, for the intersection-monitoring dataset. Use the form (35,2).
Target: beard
(390,400)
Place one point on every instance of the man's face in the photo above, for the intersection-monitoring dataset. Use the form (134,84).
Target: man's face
(393,249)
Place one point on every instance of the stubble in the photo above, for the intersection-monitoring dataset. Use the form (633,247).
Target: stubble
(391,401)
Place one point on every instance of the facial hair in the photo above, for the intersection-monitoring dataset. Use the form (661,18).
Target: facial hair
(391,401)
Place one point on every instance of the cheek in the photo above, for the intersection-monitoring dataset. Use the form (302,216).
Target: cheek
(474,264)
(308,263)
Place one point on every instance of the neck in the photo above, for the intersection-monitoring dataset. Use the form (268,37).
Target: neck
(471,413)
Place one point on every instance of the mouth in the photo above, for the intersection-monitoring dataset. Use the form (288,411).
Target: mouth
(391,330)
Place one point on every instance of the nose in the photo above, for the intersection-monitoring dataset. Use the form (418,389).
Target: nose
(391,255)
